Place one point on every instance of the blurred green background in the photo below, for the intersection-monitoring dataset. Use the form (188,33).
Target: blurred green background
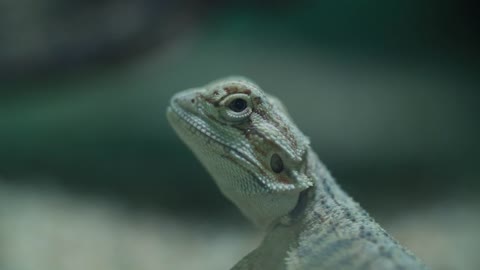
(386,90)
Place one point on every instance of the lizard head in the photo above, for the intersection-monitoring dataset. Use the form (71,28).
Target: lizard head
(248,143)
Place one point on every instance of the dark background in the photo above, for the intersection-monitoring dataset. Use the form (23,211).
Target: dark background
(386,90)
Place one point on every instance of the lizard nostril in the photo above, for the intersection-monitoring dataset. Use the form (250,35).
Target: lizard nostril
(186,100)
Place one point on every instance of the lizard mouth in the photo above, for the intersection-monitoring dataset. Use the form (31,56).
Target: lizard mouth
(181,119)
(188,121)
(184,120)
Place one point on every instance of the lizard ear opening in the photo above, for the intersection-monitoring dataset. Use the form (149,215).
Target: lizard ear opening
(276,163)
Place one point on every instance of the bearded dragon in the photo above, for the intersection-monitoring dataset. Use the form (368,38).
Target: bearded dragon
(264,164)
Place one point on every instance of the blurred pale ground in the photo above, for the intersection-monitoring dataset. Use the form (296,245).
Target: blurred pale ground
(92,176)
(48,229)
(52,230)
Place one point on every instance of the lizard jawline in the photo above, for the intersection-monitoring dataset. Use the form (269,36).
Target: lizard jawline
(194,122)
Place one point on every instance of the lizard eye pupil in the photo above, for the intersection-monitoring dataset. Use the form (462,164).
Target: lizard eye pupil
(238,105)
(276,163)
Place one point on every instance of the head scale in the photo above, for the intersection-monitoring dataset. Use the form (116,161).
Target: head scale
(248,143)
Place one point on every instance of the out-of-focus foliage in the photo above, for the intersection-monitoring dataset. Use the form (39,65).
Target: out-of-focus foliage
(385,108)
(38,37)
(386,90)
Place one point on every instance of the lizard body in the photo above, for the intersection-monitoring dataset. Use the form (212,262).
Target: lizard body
(264,164)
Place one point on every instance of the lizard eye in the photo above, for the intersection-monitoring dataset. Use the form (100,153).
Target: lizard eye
(238,105)
(276,163)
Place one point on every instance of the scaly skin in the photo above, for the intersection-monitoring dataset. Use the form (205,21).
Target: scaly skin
(264,164)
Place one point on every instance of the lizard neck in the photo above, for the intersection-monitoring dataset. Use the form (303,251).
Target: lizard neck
(334,231)
(327,204)
(328,228)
